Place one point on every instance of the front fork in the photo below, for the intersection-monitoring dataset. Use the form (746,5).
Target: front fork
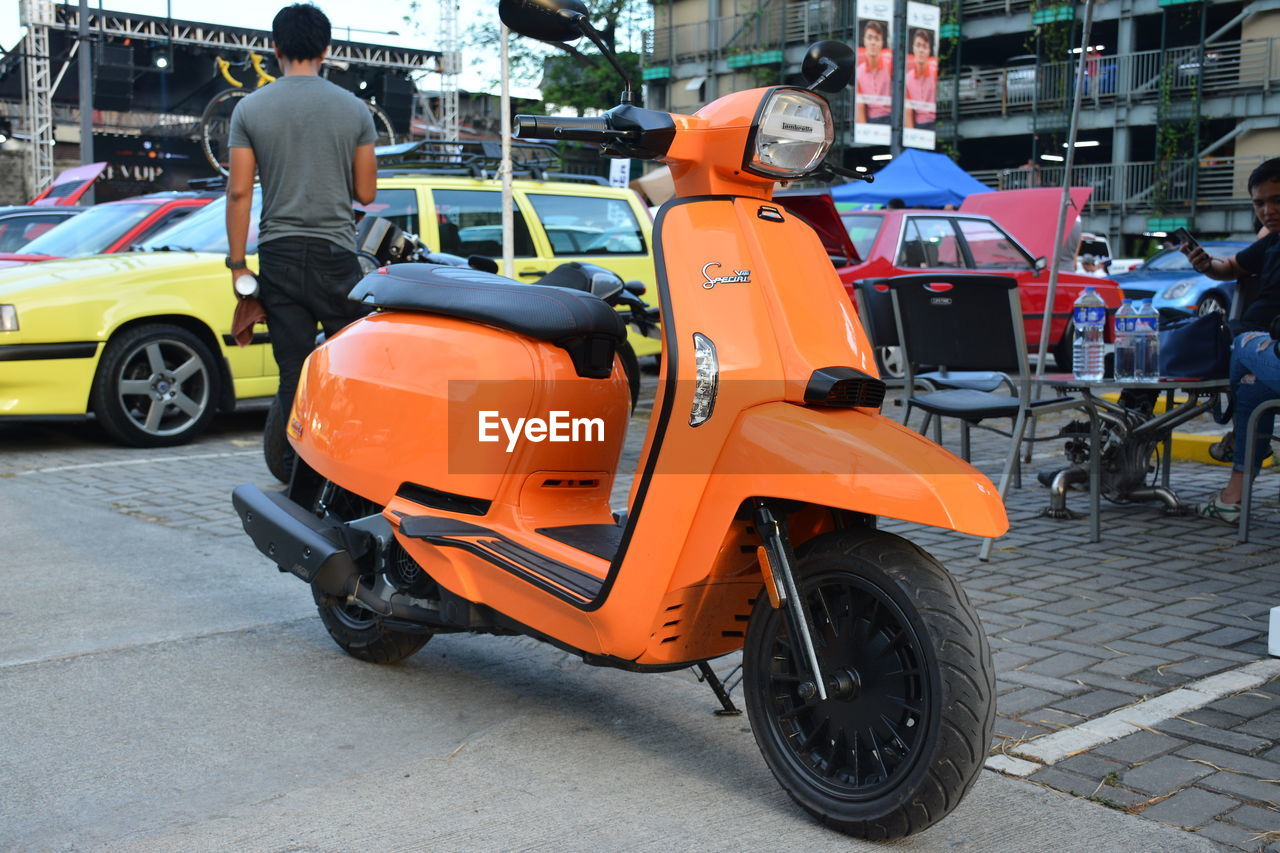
(777,561)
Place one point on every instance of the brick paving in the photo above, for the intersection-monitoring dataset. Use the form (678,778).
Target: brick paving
(1077,629)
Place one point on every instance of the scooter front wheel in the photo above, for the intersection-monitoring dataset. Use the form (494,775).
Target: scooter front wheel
(910,704)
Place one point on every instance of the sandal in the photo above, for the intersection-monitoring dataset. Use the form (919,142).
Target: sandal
(1219,511)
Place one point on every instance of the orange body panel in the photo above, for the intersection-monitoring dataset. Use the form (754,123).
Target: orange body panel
(391,398)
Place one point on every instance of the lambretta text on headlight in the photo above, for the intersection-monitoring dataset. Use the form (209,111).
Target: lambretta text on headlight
(791,136)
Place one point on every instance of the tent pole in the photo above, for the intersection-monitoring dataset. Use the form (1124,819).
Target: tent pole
(1046,320)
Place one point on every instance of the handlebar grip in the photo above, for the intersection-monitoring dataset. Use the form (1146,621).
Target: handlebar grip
(590,129)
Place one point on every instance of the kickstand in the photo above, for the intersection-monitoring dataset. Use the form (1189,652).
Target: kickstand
(727,709)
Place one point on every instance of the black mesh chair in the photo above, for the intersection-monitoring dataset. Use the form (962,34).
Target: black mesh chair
(968,322)
(875,309)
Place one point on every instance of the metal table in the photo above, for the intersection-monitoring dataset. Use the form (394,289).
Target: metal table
(1133,434)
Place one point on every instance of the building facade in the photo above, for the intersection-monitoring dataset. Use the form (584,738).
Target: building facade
(1179,100)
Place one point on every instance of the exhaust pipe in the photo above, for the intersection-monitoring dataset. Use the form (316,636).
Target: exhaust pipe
(297,541)
(315,550)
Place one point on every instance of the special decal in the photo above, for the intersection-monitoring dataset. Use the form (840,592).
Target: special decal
(739,276)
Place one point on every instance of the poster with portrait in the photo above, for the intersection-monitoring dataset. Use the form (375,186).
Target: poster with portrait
(920,83)
(873,76)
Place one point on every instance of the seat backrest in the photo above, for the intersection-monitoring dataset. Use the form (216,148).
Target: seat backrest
(960,321)
(875,309)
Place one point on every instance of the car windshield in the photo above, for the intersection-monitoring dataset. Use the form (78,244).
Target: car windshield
(89,233)
(205,230)
(1170,260)
(862,228)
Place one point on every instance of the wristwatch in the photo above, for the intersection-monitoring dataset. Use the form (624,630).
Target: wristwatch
(235,265)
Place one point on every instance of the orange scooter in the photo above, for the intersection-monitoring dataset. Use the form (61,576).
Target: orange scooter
(458,446)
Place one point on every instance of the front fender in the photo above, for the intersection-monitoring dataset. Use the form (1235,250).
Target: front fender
(854,460)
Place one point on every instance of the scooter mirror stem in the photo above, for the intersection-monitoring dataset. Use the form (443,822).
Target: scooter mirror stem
(830,67)
(583,23)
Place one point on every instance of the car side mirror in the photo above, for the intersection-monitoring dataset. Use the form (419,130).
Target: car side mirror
(1040,264)
(482,263)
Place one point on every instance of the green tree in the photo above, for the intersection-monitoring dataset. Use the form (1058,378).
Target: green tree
(574,75)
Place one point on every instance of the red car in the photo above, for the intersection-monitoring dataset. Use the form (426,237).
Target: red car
(110,227)
(884,243)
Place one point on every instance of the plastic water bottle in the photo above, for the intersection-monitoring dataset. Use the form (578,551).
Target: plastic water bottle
(1125,322)
(1146,343)
(1089,316)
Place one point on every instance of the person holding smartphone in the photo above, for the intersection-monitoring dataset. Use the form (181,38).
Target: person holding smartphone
(1262,258)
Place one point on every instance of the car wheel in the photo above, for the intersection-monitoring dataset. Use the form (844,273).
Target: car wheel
(1063,352)
(157,385)
(890,361)
(1211,303)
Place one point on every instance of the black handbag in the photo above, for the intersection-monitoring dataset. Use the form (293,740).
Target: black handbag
(1196,348)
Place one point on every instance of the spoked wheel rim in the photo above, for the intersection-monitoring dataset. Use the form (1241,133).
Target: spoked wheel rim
(164,387)
(892,362)
(1209,305)
(355,617)
(865,738)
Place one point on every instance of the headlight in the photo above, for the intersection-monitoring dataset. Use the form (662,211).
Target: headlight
(707,368)
(8,318)
(791,136)
(1177,291)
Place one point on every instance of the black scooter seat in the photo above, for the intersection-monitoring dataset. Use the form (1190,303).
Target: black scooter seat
(580,323)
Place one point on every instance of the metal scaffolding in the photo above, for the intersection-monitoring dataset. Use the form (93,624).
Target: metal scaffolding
(450,67)
(37,100)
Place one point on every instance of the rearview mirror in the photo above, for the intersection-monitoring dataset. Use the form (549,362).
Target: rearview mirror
(1040,263)
(605,284)
(544,20)
(828,65)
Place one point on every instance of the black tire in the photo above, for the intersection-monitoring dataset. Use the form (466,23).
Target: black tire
(911,688)
(275,444)
(1064,351)
(362,635)
(357,631)
(157,385)
(631,367)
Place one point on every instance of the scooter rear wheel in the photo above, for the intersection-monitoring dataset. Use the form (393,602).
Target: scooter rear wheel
(911,689)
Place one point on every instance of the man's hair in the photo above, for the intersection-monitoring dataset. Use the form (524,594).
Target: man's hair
(1268,171)
(301,32)
(878,26)
(896,204)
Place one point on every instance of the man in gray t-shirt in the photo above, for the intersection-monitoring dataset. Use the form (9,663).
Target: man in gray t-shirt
(311,143)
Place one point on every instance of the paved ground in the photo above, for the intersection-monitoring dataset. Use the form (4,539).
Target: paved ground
(1082,634)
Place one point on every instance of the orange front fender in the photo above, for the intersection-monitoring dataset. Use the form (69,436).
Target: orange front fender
(855,460)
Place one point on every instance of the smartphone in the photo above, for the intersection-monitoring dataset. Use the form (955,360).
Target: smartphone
(1184,237)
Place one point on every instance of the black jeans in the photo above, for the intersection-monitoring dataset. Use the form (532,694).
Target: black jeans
(304,281)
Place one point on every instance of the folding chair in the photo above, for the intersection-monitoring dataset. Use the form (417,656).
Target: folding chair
(968,321)
(1251,436)
(875,309)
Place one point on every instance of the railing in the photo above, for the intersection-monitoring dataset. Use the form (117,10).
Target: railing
(684,42)
(1146,76)
(978,8)
(1144,186)
(774,26)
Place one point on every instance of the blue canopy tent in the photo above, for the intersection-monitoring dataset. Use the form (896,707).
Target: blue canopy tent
(919,178)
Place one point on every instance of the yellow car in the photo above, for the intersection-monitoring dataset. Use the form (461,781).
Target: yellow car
(142,340)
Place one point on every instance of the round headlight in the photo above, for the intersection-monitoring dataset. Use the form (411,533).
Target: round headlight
(791,136)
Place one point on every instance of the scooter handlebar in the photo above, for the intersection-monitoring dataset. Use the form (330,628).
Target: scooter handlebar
(590,129)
